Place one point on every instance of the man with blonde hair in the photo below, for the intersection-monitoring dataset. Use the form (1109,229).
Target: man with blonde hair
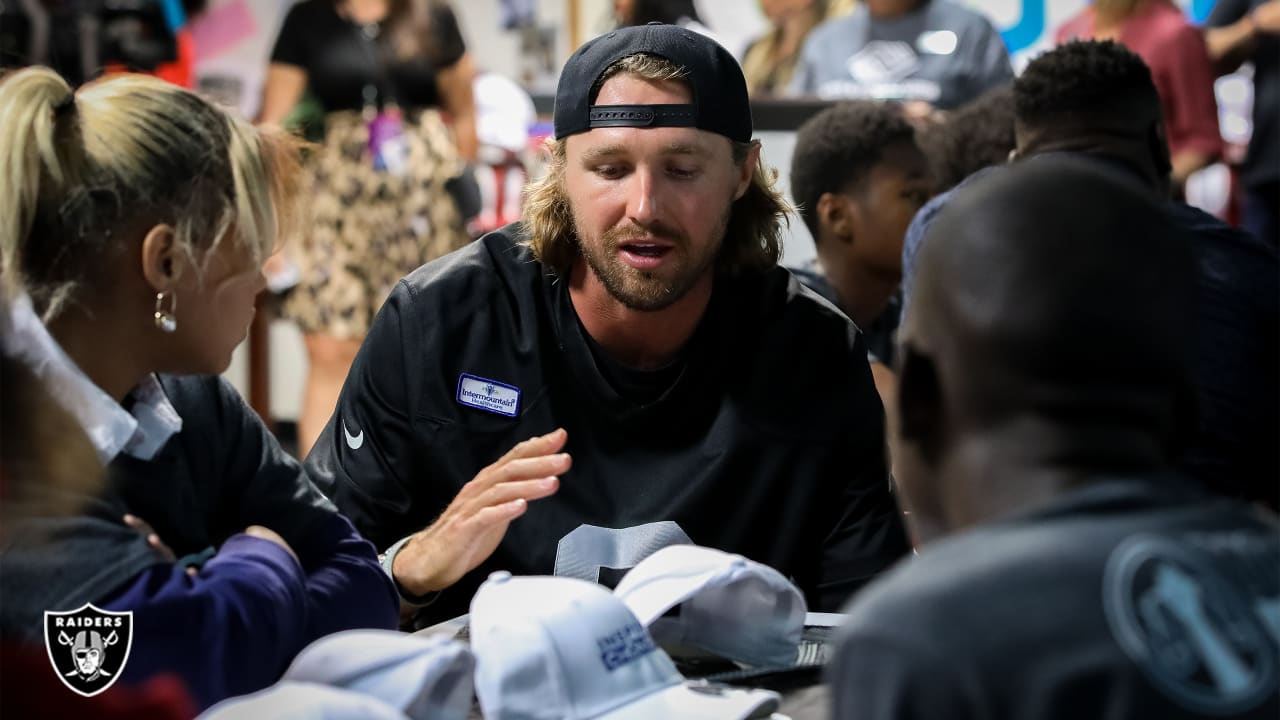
(637,320)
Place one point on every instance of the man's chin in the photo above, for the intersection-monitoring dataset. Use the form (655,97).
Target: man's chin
(647,299)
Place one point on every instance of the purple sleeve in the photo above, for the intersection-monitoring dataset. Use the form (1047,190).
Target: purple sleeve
(346,586)
(230,630)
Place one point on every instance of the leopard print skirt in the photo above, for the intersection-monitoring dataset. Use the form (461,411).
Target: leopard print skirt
(369,228)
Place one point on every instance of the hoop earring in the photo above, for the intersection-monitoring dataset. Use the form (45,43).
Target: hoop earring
(167,320)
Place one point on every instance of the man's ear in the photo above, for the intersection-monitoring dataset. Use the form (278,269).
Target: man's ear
(162,264)
(920,403)
(748,170)
(838,215)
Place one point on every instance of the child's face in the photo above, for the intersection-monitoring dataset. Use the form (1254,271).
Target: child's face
(888,198)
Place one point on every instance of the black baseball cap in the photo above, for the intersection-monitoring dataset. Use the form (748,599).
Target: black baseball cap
(720,103)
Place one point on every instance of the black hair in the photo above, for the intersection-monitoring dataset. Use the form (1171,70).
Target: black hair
(663,11)
(838,147)
(977,135)
(1087,81)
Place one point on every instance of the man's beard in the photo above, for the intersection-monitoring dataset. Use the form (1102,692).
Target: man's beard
(651,291)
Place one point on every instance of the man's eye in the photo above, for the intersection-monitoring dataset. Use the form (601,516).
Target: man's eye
(684,173)
(609,172)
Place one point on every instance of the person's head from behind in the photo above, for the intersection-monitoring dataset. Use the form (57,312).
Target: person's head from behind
(859,177)
(1096,97)
(1045,344)
(643,12)
(977,135)
(141,207)
(654,179)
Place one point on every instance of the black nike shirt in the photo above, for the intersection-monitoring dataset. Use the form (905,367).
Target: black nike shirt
(769,442)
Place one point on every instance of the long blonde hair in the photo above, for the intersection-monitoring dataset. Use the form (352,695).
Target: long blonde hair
(768,71)
(81,169)
(752,241)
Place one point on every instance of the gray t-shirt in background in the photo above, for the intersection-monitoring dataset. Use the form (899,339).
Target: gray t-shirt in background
(942,53)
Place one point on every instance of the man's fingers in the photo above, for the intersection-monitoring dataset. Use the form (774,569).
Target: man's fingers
(519,490)
(532,468)
(497,514)
(541,445)
(511,469)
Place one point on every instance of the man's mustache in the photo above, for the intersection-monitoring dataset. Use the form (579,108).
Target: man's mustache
(633,233)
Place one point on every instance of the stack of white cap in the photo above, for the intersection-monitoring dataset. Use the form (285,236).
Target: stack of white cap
(366,675)
(726,605)
(554,647)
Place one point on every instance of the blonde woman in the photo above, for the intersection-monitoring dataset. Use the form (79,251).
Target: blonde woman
(134,223)
(770,60)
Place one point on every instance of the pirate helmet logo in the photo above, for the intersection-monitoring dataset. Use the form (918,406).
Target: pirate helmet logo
(88,647)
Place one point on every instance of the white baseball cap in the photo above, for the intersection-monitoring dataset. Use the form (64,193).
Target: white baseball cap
(303,701)
(423,677)
(563,648)
(729,606)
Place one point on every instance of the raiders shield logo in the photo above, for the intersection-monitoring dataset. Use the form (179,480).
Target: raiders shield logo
(88,647)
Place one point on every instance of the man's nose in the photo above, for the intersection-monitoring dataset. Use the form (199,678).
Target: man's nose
(643,206)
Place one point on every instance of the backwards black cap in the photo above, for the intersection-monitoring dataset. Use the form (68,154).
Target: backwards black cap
(720,103)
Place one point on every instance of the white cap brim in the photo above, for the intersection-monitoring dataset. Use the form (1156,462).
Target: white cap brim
(699,701)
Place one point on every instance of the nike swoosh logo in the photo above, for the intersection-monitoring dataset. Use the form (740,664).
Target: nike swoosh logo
(353,441)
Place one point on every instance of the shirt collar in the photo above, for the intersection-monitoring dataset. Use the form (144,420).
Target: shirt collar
(140,431)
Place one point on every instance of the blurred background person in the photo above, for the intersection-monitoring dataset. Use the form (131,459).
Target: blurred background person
(1249,30)
(82,40)
(382,71)
(1174,50)
(671,12)
(925,53)
(770,60)
(976,136)
(960,145)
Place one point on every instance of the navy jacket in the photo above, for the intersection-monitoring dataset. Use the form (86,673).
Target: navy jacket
(235,626)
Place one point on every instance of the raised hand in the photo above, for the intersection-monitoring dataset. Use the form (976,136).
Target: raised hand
(469,530)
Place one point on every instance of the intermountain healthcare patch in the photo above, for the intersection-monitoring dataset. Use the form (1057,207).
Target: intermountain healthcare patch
(490,395)
(88,647)
(1197,637)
